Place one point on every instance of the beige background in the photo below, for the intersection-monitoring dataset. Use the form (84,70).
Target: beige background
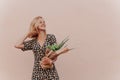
(93,26)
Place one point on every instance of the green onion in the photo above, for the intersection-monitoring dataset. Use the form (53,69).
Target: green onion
(56,46)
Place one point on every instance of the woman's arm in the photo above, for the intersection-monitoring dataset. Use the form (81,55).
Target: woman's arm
(20,45)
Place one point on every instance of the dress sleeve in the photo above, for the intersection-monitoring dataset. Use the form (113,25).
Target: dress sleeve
(28,45)
(53,39)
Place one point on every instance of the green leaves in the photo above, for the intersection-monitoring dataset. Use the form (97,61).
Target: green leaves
(56,47)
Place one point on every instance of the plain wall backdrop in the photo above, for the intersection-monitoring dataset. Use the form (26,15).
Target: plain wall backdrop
(93,26)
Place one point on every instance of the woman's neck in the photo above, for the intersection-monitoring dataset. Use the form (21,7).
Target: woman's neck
(41,35)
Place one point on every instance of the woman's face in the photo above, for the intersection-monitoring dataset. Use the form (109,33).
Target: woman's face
(41,24)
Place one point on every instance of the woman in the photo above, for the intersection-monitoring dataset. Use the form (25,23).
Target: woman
(38,43)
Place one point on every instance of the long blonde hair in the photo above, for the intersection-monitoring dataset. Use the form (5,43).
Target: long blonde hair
(33,27)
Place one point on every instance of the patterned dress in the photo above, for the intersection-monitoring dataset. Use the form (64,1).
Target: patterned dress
(39,52)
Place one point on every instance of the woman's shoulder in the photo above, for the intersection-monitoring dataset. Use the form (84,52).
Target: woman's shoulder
(51,36)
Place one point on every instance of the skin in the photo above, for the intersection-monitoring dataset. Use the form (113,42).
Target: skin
(41,30)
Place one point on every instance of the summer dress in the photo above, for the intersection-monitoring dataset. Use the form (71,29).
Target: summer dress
(39,52)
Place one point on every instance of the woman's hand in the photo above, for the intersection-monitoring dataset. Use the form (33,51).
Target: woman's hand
(46,61)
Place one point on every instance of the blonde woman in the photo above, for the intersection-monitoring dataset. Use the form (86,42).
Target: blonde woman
(38,42)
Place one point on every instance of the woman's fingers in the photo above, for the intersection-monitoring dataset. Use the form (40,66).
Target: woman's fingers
(46,60)
(46,66)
